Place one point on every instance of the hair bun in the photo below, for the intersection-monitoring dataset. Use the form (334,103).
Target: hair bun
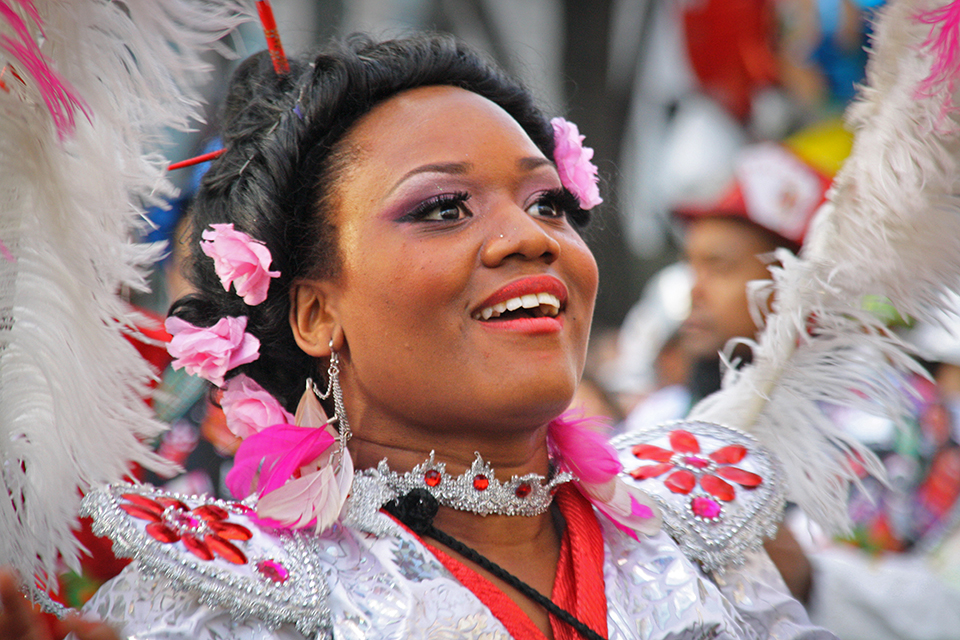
(256,97)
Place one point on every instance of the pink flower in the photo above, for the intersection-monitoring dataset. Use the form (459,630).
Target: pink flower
(249,409)
(577,173)
(209,352)
(241,260)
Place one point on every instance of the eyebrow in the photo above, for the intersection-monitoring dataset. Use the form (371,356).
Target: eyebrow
(529,164)
(461,168)
(453,168)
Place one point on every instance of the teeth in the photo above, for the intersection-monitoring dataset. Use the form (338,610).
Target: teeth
(548,304)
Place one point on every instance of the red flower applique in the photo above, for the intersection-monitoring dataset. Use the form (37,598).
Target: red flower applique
(689,465)
(204,530)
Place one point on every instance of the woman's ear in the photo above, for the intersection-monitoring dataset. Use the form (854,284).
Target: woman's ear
(313,319)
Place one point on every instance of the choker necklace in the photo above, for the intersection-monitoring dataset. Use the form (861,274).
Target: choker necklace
(476,490)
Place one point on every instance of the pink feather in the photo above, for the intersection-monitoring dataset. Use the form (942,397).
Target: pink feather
(630,509)
(272,456)
(31,10)
(582,445)
(60,97)
(295,504)
(314,500)
(944,43)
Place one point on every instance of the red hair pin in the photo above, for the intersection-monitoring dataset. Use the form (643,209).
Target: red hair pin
(279,58)
(189,162)
(280,65)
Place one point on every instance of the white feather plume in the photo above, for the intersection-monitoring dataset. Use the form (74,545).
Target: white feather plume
(890,228)
(72,388)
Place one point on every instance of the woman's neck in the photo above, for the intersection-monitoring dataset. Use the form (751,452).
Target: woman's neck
(508,455)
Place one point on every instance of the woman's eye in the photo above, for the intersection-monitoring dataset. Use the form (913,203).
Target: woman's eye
(556,203)
(444,211)
(446,208)
(545,208)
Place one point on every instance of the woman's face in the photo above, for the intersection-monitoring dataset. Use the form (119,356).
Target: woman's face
(446,212)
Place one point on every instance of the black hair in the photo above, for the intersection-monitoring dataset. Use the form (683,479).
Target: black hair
(283,158)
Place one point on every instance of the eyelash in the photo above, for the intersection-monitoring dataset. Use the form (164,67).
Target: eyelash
(432,204)
(559,199)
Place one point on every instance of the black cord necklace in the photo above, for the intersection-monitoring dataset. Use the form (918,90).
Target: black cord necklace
(417,508)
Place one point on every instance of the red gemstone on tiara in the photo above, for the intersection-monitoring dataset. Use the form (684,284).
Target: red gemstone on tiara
(141,513)
(480,482)
(731,454)
(651,470)
(144,502)
(172,502)
(431,478)
(523,490)
(652,452)
(740,476)
(230,530)
(684,442)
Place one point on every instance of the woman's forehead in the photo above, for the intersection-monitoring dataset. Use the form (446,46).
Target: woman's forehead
(436,124)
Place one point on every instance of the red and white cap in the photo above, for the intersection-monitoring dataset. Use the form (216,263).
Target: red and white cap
(771,187)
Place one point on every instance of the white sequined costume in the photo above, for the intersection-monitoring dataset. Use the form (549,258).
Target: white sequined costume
(373,579)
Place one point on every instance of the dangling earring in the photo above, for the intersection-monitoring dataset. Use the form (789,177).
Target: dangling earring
(333,388)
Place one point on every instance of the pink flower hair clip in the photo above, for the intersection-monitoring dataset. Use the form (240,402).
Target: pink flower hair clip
(249,408)
(209,352)
(241,260)
(577,173)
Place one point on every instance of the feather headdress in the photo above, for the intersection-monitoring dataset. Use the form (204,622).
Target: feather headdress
(86,90)
(891,229)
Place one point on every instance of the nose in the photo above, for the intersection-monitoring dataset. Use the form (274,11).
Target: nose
(514,233)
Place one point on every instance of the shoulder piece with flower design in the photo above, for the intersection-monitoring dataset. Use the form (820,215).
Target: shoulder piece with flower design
(215,549)
(721,493)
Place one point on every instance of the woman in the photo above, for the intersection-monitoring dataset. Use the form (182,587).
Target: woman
(411,232)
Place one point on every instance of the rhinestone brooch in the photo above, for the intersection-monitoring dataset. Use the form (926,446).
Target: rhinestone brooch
(477,490)
(721,492)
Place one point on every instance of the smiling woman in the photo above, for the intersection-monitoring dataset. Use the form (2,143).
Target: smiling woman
(395,221)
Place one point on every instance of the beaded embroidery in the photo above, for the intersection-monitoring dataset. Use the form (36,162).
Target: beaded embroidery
(721,492)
